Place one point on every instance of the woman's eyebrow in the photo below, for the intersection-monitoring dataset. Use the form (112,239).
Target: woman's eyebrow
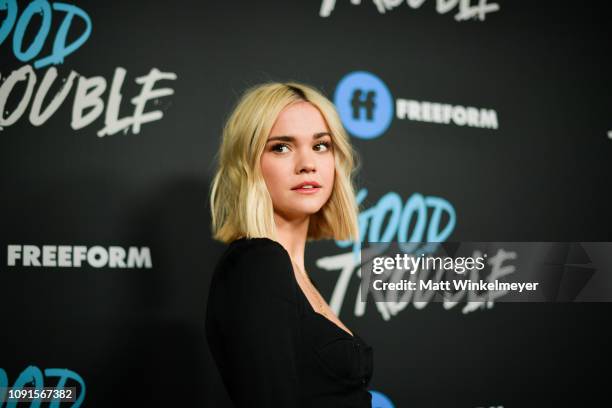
(292,138)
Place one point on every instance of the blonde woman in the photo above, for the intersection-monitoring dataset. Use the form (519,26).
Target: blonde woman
(284,177)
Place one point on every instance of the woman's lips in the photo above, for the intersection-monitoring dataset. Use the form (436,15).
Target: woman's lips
(312,190)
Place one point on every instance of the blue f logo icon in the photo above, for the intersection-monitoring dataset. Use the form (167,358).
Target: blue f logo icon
(364,103)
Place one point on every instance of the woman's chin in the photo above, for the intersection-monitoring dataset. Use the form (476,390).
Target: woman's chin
(301,211)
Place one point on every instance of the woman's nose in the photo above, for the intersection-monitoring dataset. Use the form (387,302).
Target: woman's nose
(306,162)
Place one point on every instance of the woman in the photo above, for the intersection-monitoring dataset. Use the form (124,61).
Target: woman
(284,177)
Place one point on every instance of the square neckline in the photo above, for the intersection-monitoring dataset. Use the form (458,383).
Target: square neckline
(312,311)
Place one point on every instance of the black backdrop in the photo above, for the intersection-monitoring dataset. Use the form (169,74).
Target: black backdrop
(135,335)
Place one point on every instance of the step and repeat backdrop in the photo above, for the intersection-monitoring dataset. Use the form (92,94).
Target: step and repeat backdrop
(474,121)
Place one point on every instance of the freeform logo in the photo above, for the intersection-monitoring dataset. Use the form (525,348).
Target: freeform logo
(445,113)
(380,400)
(66,256)
(365,106)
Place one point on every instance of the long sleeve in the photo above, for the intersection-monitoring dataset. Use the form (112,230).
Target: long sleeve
(254,308)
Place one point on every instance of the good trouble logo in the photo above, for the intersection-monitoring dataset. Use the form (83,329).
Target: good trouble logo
(22,88)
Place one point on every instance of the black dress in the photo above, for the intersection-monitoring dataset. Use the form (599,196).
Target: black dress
(272,349)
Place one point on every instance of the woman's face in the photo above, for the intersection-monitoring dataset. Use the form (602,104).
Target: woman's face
(299,150)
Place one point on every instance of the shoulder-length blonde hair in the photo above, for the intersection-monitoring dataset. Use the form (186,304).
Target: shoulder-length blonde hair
(240,203)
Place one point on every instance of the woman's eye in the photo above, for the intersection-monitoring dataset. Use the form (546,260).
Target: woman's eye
(321,147)
(325,146)
(278,147)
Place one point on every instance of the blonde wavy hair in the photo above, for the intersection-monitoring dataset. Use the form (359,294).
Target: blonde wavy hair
(240,203)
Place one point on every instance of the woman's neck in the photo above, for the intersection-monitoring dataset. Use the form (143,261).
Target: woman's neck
(292,236)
